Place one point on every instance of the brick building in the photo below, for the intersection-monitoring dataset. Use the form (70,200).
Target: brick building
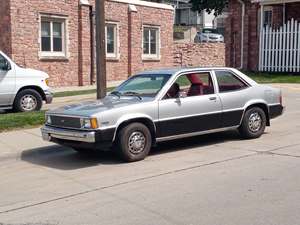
(269,33)
(55,36)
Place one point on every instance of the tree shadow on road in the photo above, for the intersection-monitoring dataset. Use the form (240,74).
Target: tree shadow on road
(64,158)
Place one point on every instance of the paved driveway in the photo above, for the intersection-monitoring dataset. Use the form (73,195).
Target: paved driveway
(211,179)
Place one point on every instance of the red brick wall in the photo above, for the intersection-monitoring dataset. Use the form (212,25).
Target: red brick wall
(233,35)
(76,69)
(5,31)
(25,38)
(293,11)
(193,54)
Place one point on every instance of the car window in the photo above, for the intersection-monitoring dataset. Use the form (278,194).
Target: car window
(207,31)
(2,62)
(144,85)
(193,84)
(227,81)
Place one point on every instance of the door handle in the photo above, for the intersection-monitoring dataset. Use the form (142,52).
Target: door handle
(213,98)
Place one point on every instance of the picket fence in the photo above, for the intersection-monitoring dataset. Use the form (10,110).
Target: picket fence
(280,48)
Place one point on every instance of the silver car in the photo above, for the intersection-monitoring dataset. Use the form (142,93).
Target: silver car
(162,105)
(209,35)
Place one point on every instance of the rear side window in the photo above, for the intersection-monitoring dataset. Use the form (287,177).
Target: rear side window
(227,81)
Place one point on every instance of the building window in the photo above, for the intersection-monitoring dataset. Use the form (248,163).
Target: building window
(151,42)
(111,33)
(53,36)
(268,14)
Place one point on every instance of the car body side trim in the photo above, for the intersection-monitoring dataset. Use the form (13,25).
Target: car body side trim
(194,134)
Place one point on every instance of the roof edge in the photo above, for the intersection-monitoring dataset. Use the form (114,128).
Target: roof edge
(146,4)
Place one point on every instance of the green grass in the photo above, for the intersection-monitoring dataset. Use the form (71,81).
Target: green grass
(274,78)
(74,93)
(11,121)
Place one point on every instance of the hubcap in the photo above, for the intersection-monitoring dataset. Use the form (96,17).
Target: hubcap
(136,142)
(255,122)
(28,102)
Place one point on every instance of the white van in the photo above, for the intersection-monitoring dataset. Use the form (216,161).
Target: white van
(22,89)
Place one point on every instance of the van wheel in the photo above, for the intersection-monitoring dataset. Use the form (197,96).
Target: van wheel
(253,124)
(133,142)
(28,100)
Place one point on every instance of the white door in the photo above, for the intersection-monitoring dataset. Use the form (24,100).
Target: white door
(7,82)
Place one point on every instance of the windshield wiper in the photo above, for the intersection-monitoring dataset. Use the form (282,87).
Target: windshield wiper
(132,93)
(116,93)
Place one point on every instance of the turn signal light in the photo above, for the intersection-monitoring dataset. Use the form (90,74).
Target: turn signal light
(94,123)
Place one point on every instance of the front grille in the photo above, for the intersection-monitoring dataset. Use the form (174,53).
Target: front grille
(67,122)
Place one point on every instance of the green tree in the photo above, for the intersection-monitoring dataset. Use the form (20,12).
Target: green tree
(209,5)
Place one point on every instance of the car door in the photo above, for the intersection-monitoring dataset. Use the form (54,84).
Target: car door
(234,93)
(7,82)
(196,108)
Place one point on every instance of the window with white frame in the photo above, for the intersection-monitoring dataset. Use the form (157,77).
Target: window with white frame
(151,42)
(268,16)
(53,36)
(111,33)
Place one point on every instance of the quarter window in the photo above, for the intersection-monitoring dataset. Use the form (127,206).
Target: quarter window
(229,82)
(53,37)
(111,33)
(150,42)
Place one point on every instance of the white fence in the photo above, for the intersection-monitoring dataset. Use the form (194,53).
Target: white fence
(280,48)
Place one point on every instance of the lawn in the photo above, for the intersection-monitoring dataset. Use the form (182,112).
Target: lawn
(274,77)
(11,121)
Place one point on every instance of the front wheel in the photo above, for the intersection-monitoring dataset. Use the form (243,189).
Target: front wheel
(253,124)
(28,100)
(133,142)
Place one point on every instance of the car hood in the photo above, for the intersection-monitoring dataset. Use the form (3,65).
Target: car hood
(90,108)
(31,73)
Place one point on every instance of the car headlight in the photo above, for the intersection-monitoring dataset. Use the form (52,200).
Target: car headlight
(90,123)
(48,119)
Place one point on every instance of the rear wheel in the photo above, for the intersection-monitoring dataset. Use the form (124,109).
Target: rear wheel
(254,123)
(133,142)
(28,100)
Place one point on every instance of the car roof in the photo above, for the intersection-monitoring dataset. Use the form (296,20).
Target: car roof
(172,71)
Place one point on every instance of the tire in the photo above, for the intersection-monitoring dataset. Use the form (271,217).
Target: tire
(139,136)
(253,123)
(31,97)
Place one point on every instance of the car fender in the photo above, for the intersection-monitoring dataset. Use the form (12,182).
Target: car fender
(129,117)
(253,102)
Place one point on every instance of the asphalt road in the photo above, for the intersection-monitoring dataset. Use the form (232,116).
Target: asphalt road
(214,179)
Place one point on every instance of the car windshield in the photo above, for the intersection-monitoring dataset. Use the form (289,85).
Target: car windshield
(210,31)
(145,85)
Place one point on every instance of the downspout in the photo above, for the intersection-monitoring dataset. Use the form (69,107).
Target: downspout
(242,35)
(92,46)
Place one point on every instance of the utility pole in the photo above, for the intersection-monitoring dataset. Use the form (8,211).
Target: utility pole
(100,49)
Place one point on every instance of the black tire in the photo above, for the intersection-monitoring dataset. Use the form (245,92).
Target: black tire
(135,151)
(33,95)
(253,123)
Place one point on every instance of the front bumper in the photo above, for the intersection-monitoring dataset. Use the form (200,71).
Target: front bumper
(50,133)
(97,139)
(48,96)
